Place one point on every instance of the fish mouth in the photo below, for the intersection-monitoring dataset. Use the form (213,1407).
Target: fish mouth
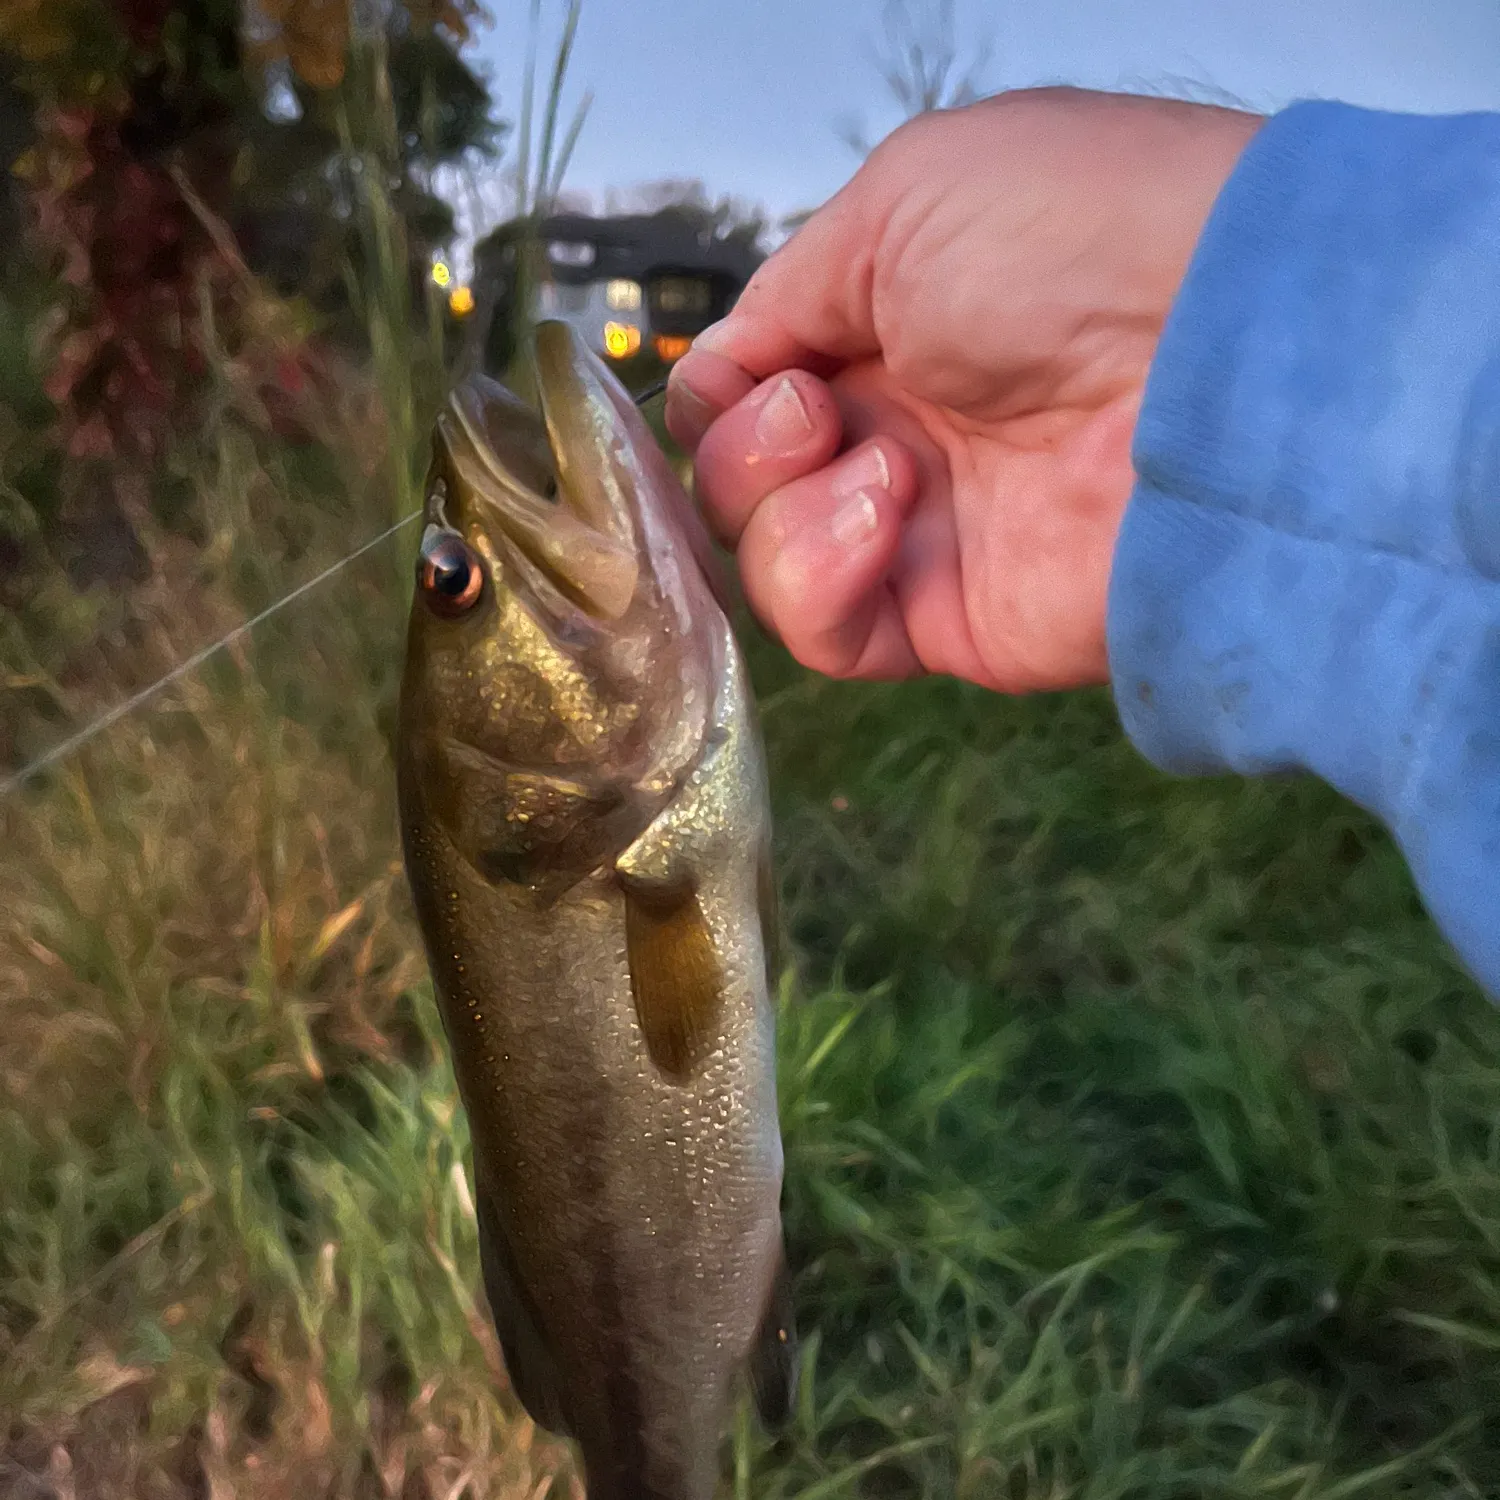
(553,492)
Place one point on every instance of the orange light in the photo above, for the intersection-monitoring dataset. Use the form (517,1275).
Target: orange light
(461,301)
(621,340)
(670,346)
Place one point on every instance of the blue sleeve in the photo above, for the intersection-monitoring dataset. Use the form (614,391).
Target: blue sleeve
(1308,572)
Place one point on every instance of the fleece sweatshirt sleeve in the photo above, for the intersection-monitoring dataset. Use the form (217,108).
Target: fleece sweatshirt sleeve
(1308,572)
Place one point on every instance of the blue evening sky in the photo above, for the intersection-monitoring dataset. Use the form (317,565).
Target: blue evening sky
(747,94)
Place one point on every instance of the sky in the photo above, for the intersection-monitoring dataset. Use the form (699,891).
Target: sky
(749,94)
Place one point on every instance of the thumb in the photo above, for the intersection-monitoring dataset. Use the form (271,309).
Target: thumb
(807,307)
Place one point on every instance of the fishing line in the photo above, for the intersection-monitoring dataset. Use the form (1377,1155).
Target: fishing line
(66,747)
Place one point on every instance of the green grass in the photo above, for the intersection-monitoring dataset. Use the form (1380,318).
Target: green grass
(1141,1134)
(1159,1155)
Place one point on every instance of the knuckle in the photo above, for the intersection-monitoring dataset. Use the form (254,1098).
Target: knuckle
(827,655)
(810,630)
(912,138)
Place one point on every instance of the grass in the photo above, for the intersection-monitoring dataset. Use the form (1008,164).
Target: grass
(1156,1151)
(1141,1134)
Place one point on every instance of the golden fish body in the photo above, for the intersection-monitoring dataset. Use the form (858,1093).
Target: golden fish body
(586,829)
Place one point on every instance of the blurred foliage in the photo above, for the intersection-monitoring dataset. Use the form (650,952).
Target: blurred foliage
(197,181)
(922,64)
(728,217)
(313,35)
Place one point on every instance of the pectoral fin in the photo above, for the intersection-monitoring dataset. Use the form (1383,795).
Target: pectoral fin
(674,975)
(773,1359)
(712,824)
(528,1360)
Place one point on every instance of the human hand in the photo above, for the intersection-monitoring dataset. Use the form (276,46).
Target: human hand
(915,425)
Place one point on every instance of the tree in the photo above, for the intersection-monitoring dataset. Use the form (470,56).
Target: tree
(921,62)
(180,145)
(121,93)
(301,167)
(728,217)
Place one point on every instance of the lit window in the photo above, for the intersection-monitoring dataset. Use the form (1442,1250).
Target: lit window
(621,340)
(623,296)
(571,253)
(670,347)
(683,294)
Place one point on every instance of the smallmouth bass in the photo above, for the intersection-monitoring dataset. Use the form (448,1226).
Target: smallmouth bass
(586,831)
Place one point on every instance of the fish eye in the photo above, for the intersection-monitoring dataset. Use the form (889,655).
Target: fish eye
(451,577)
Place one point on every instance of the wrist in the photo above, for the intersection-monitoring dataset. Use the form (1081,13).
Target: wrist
(1304,576)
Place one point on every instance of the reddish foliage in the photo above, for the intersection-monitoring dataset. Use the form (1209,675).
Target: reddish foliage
(141,263)
(133,249)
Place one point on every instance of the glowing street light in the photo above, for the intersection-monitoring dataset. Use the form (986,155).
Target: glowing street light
(621,340)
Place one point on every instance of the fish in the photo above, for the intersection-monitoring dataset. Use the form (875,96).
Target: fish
(586,832)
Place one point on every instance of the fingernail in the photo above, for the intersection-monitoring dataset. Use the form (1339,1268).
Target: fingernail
(855,523)
(783,425)
(694,405)
(865,470)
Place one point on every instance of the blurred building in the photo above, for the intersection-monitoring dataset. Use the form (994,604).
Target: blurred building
(631,284)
